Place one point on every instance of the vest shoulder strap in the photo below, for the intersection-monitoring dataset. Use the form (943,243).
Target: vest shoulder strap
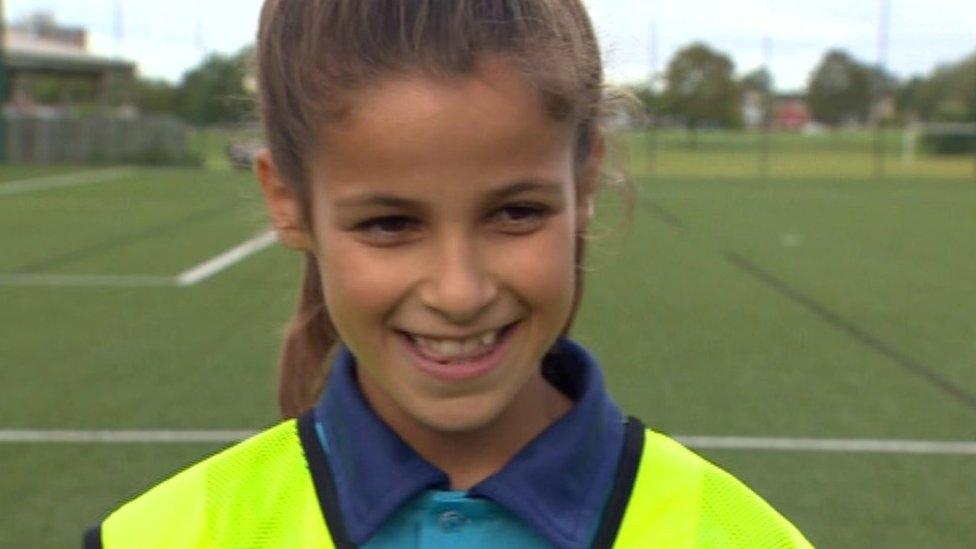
(679,500)
(258,493)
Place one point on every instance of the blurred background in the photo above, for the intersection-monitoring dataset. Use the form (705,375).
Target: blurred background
(794,297)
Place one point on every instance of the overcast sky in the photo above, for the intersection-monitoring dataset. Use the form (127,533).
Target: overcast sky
(166,38)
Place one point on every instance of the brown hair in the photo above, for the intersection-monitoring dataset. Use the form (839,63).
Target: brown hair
(314,55)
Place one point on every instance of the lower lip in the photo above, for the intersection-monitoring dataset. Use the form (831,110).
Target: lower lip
(461,371)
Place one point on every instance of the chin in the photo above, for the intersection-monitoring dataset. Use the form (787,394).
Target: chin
(459,416)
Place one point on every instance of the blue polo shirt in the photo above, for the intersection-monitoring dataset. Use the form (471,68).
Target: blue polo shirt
(550,494)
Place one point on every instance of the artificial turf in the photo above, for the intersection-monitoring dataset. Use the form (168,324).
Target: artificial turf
(816,301)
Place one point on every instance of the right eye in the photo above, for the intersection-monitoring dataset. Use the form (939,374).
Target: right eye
(390,229)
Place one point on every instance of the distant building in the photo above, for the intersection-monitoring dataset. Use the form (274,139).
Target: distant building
(50,72)
(791,113)
(44,58)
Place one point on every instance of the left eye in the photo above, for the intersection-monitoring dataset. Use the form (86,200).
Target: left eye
(520,213)
(388,225)
(388,230)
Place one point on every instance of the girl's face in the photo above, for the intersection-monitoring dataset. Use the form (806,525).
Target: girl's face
(445,214)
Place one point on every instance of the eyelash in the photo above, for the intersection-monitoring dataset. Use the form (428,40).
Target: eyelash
(535,212)
(374,228)
(394,229)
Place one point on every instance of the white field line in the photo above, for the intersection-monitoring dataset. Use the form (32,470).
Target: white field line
(769,444)
(840,445)
(191,276)
(122,437)
(36,184)
(59,280)
(214,265)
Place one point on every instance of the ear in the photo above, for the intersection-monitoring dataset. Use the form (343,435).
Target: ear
(284,204)
(589,182)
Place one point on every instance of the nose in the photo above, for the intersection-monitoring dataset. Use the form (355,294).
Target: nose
(458,286)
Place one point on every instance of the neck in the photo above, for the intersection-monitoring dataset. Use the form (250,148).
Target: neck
(469,457)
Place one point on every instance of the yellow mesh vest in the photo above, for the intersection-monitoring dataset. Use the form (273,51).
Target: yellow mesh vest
(261,494)
(679,501)
(256,494)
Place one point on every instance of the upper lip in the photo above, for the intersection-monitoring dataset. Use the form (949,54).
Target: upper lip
(468,335)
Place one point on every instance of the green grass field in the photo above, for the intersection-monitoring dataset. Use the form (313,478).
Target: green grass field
(817,302)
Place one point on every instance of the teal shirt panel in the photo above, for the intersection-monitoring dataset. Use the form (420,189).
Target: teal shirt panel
(446,519)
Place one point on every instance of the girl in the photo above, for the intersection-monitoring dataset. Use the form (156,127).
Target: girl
(436,162)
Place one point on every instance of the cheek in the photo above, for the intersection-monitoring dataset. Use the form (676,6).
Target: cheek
(360,287)
(541,269)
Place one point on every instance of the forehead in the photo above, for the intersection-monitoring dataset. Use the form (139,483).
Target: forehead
(490,122)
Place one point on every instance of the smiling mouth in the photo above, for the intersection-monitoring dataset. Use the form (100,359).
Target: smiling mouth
(458,350)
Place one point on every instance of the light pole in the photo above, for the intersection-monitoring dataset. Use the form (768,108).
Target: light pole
(881,85)
(654,98)
(3,83)
(766,107)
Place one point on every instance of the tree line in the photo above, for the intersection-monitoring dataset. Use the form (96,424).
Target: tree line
(701,89)
(217,91)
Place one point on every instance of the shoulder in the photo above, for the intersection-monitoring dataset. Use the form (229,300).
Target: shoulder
(246,486)
(679,499)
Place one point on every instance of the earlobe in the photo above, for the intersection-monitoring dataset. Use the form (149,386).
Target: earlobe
(284,204)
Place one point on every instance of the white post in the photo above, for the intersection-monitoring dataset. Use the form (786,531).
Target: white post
(909,138)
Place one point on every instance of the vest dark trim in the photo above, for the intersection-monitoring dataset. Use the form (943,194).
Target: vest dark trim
(318,464)
(623,484)
(93,538)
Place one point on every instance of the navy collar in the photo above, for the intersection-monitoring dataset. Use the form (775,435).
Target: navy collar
(557,484)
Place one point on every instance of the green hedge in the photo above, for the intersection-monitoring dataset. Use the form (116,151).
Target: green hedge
(949,143)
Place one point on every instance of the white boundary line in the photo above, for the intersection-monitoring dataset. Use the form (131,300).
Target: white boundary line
(58,280)
(121,437)
(768,444)
(841,445)
(36,184)
(207,269)
(189,277)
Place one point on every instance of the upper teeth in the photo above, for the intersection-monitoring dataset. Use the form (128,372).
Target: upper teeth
(453,349)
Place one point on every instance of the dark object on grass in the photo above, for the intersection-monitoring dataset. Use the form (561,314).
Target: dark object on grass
(241,153)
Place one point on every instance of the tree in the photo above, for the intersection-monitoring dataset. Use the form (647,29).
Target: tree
(215,92)
(155,96)
(841,89)
(648,100)
(947,95)
(759,80)
(700,87)
(756,88)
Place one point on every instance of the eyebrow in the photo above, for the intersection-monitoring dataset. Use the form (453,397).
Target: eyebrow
(524,186)
(394,201)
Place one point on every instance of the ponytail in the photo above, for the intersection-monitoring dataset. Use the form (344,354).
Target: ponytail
(303,365)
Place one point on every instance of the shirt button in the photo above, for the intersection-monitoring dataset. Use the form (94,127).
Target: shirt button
(451,521)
